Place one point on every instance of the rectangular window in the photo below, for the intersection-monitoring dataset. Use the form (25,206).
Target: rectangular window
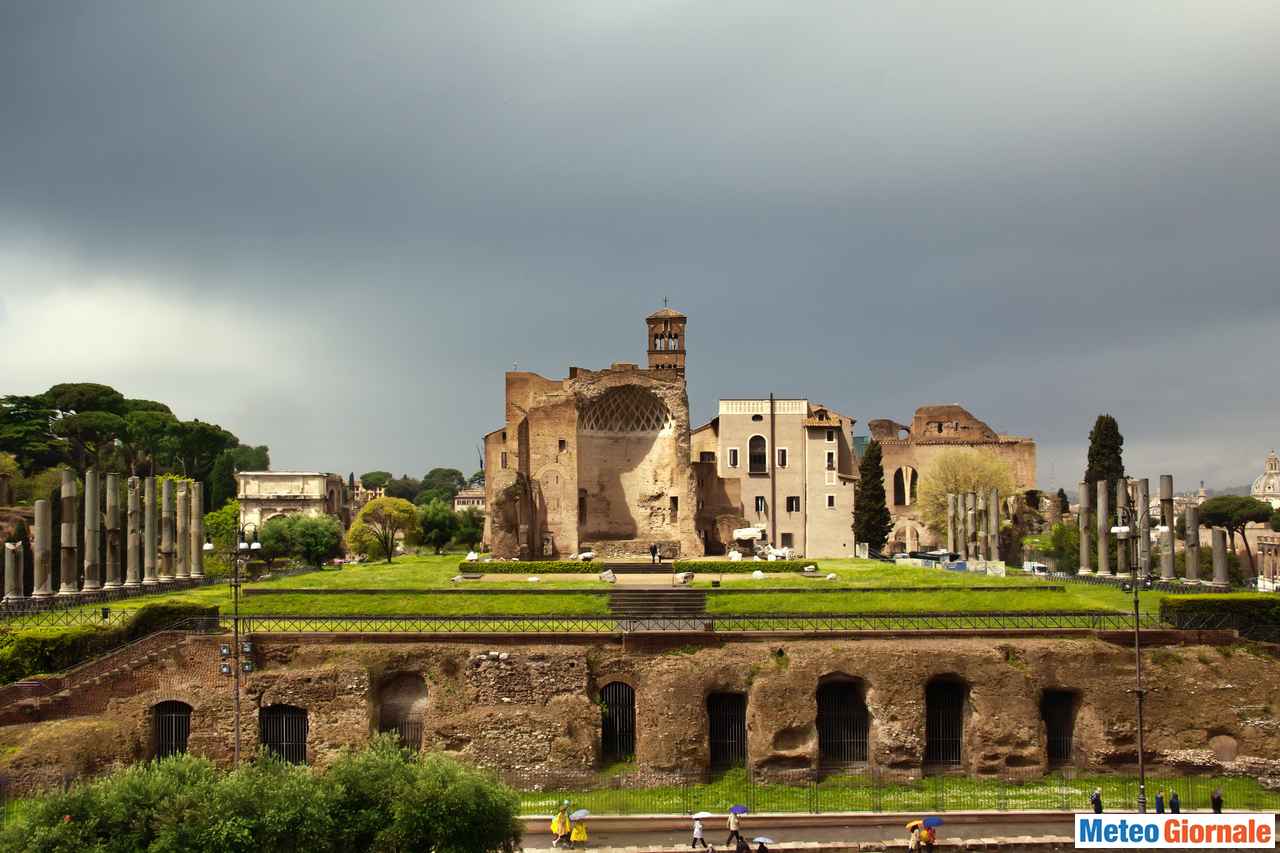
(563,445)
(707,456)
(760,506)
(733,457)
(504,459)
(831,460)
(831,501)
(675,508)
(788,540)
(793,503)
(782,457)
(831,436)
(504,435)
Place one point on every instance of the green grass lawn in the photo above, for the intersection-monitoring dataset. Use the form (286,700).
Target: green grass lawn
(930,794)
(856,580)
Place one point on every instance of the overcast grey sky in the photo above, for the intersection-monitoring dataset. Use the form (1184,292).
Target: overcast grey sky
(331,227)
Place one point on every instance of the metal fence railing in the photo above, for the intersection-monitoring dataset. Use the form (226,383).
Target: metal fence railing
(15,619)
(870,791)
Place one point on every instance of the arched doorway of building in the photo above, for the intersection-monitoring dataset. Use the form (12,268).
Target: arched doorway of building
(727,729)
(844,724)
(282,729)
(170,728)
(945,701)
(618,721)
(1058,712)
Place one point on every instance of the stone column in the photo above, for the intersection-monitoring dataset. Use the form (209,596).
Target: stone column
(183,543)
(1221,578)
(44,532)
(1142,507)
(1104,527)
(68,497)
(197,530)
(92,532)
(1122,545)
(166,532)
(980,528)
(12,572)
(1192,553)
(971,523)
(993,525)
(113,532)
(149,532)
(133,558)
(951,523)
(1082,522)
(1170,536)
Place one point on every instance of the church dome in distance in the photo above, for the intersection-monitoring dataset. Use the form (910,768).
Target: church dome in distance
(1267,486)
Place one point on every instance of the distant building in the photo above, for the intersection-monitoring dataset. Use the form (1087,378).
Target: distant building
(788,468)
(361,496)
(1267,486)
(469,499)
(265,495)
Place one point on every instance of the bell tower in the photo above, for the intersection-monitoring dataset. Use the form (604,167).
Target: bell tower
(666,339)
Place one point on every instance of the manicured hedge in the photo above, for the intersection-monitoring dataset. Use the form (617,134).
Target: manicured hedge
(743,566)
(34,651)
(533,567)
(1256,616)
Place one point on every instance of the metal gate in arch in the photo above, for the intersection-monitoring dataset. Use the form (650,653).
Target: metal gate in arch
(618,721)
(170,727)
(283,731)
(843,724)
(727,729)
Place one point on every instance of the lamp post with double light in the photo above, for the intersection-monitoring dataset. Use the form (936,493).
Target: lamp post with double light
(1130,526)
(246,544)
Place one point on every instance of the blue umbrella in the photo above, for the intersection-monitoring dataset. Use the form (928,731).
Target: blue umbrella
(932,822)
(738,809)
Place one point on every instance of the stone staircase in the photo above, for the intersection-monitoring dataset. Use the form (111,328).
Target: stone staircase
(637,568)
(657,602)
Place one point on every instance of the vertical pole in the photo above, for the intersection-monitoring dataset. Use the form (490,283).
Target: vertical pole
(951,523)
(1221,578)
(1169,537)
(92,532)
(1123,514)
(1142,514)
(993,525)
(196,547)
(1140,694)
(183,539)
(44,531)
(12,571)
(1104,527)
(1082,522)
(166,532)
(980,513)
(971,522)
(68,496)
(1192,554)
(772,461)
(149,532)
(113,532)
(133,558)
(235,635)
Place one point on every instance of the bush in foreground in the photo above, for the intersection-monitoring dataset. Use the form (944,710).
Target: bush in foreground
(382,798)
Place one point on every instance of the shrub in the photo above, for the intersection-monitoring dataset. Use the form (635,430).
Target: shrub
(742,566)
(533,567)
(1256,616)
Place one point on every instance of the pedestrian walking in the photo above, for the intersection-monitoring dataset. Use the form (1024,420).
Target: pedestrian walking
(698,840)
(743,846)
(653,552)
(1095,800)
(1175,804)
(927,837)
(1216,801)
(914,843)
(1159,802)
(578,834)
(560,825)
(734,834)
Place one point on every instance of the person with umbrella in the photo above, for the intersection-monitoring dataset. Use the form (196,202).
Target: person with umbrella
(735,813)
(929,832)
(915,828)
(762,842)
(560,825)
(697,830)
(579,831)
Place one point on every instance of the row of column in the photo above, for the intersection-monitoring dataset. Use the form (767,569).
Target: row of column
(180,550)
(1136,493)
(973,525)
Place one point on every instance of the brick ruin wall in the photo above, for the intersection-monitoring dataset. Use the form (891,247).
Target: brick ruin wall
(531,710)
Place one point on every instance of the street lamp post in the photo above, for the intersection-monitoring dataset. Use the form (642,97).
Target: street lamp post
(1130,523)
(246,543)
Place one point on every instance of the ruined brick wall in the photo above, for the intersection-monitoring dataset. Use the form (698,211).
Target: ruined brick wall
(530,709)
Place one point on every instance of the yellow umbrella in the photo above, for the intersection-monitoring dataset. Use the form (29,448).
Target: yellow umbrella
(914,824)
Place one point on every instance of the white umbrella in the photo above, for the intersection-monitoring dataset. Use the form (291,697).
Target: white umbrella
(579,814)
(702,815)
(762,840)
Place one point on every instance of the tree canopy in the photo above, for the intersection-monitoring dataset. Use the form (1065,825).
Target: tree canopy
(470,527)
(440,484)
(380,522)
(871,520)
(1235,512)
(438,524)
(959,470)
(375,479)
(1106,452)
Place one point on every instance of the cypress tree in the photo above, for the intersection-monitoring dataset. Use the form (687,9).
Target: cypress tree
(1064,504)
(1106,446)
(871,521)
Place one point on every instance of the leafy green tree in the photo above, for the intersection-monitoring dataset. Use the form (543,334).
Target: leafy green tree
(871,520)
(1275,521)
(315,539)
(26,432)
(476,480)
(222,525)
(277,538)
(470,527)
(1235,512)
(1106,452)
(72,397)
(404,487)
(131,406)
(198,446)
(375,479)
(149,438)
(438,523)
(960,470)
(380,523)
(88,434)
(222,478)
(440,484)
(1064,504)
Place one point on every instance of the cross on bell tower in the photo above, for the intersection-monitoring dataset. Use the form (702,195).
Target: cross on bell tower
(666,339)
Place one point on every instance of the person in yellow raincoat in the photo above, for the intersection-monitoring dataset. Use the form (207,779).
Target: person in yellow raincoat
(578,833)
(560,825)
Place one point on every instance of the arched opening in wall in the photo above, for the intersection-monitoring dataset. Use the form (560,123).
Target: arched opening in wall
(1058,712)
(899,489)
(170,728)
(617,722)
(402,703)
(282,729)
(945,700)
(844,724)
(915,482)
(727,729)
(757,455)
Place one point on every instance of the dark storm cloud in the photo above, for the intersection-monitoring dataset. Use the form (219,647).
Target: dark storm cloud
(1042,212)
